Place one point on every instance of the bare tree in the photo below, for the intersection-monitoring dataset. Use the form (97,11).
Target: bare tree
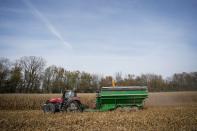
(4,72)
(32,68)
(118,78)
(106,81)
(49,78)
(59,84)
(15,80)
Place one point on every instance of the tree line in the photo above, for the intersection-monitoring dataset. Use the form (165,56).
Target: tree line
(29,74)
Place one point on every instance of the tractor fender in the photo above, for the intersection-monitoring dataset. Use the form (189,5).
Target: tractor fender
(73,99)
(55,100)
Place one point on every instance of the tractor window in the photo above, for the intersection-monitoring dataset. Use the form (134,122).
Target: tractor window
(69,94)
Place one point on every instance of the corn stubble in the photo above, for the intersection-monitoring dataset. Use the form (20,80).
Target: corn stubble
(153,118)
(23,113)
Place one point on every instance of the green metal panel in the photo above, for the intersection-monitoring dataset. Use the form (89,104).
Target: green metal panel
(110,98)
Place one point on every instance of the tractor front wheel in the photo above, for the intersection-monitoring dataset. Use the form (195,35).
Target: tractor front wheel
(49,107)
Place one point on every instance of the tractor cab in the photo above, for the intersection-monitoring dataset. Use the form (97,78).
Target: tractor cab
(69,94)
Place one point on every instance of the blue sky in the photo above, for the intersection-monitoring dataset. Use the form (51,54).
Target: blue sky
(103,36)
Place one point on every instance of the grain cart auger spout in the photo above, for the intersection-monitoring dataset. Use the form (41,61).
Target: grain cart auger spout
(68,102)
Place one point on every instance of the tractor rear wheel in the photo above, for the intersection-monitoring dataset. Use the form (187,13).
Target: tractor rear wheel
(50,107)
(74,107)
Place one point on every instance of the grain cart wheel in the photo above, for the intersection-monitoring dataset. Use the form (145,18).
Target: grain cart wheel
(74,106)
(123,109)
(134,108)
(50,108)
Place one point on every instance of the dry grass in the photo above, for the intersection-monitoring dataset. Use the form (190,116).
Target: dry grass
(34,101)
(153,119)
(172,98)
(163,111)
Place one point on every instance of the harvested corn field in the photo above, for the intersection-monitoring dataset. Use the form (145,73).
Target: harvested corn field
(153,118)
(163,111)
(34,101)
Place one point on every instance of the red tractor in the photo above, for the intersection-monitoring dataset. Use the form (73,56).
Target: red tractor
(69,102)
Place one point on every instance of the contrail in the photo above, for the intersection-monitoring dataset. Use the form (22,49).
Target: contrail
(48,24)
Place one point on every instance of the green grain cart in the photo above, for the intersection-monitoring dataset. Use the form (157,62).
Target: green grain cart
(110,98)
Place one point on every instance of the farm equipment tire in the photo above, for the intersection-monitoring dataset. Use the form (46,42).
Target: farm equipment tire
(50,108)
(127,109)
(74,106)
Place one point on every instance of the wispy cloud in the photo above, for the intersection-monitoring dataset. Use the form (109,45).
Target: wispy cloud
(48,24)
(112,36)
